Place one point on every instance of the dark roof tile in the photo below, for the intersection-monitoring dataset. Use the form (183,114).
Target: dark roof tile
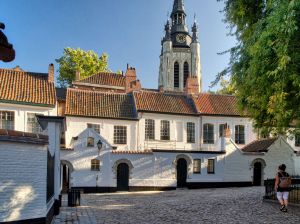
(259,145)
(98,104)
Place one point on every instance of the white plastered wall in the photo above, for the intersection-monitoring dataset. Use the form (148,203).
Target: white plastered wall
(21,112)
(23,181)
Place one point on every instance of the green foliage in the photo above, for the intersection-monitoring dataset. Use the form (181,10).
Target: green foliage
(265,64)
(227,87)
(86,62)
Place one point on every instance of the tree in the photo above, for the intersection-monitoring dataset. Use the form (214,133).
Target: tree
(227,87)
(86,62)
(265,64)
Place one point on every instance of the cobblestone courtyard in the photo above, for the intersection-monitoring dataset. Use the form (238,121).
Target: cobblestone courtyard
(231,205)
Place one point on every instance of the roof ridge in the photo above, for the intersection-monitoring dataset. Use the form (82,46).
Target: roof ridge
(95,91)
(22,71)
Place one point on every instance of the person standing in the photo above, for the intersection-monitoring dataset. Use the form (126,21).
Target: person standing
(282,187)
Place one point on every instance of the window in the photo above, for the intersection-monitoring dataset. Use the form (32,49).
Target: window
(90,142)
(240,134)
(164,130)
(222,130)
(95,165)
(96,127)
(7,119)
(208,133)
(190,127)
(211,166)
(32,124)
(197,166)
(186,72)
(120,135)
(149,129)
(297,140)
(176,75)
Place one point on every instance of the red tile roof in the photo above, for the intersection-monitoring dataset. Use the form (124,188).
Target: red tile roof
(99,104)
(26,88)
(150,101)
(214,104)
(23,137)
(259,145)
(106,79)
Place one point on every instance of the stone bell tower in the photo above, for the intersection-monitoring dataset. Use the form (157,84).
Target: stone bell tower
(180,53)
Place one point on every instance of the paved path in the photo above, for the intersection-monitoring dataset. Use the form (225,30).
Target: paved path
(231,205)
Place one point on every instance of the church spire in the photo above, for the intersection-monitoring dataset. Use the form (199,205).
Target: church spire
(168,31)
(195,31)
(178,17)
(178,6)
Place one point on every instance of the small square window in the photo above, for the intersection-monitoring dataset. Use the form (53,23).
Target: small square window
(90,142)
(197,166)
(95,165)
(211,166)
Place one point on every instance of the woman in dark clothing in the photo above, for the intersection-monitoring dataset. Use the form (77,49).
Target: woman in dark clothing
(282,192)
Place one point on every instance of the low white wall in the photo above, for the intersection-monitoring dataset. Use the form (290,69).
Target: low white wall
(22,181)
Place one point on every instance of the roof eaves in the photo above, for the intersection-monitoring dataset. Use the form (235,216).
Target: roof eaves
(27,103)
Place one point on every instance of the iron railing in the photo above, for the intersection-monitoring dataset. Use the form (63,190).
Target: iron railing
(294,196)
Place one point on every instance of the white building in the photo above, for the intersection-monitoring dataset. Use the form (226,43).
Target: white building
(151,139)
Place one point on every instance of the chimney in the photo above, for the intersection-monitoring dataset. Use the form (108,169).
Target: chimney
(192,86)
(132,84)
(77,76)
(51,73)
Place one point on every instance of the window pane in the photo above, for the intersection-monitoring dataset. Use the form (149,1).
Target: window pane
(164,130)
(240,134)
(90,142)
(190,132)
(211,166)
(95,165)
(120,135)
(297,140)
(96,127)
(176,75)
(32,124)
(186,72)
(149,129)
(7,120)
(208,133)
(197,166)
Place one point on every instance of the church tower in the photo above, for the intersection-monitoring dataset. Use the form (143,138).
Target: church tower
(180,54)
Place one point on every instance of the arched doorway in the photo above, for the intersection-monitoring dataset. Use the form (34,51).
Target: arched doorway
(257,174)
(123,177)
(66,170)
(181,173)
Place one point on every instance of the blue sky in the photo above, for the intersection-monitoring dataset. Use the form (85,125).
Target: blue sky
(130,31)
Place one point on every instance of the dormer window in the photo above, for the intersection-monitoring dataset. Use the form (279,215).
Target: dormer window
(90,142)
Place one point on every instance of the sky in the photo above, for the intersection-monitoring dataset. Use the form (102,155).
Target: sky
(129,31)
